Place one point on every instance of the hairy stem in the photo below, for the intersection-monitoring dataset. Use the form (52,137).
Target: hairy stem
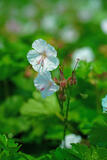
(62,108)
(66,118)
(61,105)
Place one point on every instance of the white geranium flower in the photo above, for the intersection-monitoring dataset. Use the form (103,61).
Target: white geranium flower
(49,23)
(85,53)
(29,11)
(13,26)
(104,104)
(89,10)
(43,56)
(28,28)
(45,84)
(69,34)
(70,138)
(17,27)
(104,26)
(85,15)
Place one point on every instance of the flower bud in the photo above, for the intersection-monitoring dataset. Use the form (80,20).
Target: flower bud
(63,83)
(62,96)
(27,73)
(56,80)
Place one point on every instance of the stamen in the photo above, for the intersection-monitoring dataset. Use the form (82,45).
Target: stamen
(42,89)
(76,64)
(41,61)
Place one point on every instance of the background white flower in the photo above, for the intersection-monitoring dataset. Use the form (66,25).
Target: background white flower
(49,23)
(69,34)
(29,11)
(104,104)
(45,84)
(17,27)
(43,56)
(85,53)
(84,15)
(88,11)
(104,26)
(70,138)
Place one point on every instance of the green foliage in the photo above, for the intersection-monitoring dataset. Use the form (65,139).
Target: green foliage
(37,123)
(10,150)
(78,152)
(98,135)
(15,123)
(39,106)
(83,69)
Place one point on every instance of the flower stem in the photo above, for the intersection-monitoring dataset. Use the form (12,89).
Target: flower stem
(61,105)
(66,118)
(62,108)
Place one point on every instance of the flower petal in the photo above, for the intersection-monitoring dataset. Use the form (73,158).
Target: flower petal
(53,88)
(49,91)
(39,64)
(104,104)
(39,45)
(50,63)
(45,84)
(42,80)
(104,101)
(50,51)
(31,56)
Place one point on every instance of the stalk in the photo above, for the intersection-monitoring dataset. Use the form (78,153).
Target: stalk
(66,118)
(61,104)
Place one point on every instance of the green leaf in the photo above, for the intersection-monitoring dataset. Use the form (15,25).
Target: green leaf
(98,135)
(39,106)
(9,150)
(83,69)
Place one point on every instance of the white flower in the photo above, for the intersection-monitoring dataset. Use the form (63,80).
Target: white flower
(45,84)
(85,15)
(71,138)
(43,56)
(69,34)
(49,23)
(104,26)
(28,28)
(104,104)
(85,53)
(29,11)
(89,10)
(61,6)
(13,26)
(17,27)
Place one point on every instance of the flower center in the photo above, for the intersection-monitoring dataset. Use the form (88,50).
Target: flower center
(44,55)
(41,61)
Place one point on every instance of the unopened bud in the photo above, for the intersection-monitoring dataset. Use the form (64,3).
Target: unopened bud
(27,73)
(63,83)
(71,80)
(74,81)
(56,80)
(62,97)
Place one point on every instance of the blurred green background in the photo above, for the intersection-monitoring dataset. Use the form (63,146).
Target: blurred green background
(68,25)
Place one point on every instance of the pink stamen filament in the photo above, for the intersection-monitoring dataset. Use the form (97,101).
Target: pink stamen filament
(48,86)
(42,89)
(41,61)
